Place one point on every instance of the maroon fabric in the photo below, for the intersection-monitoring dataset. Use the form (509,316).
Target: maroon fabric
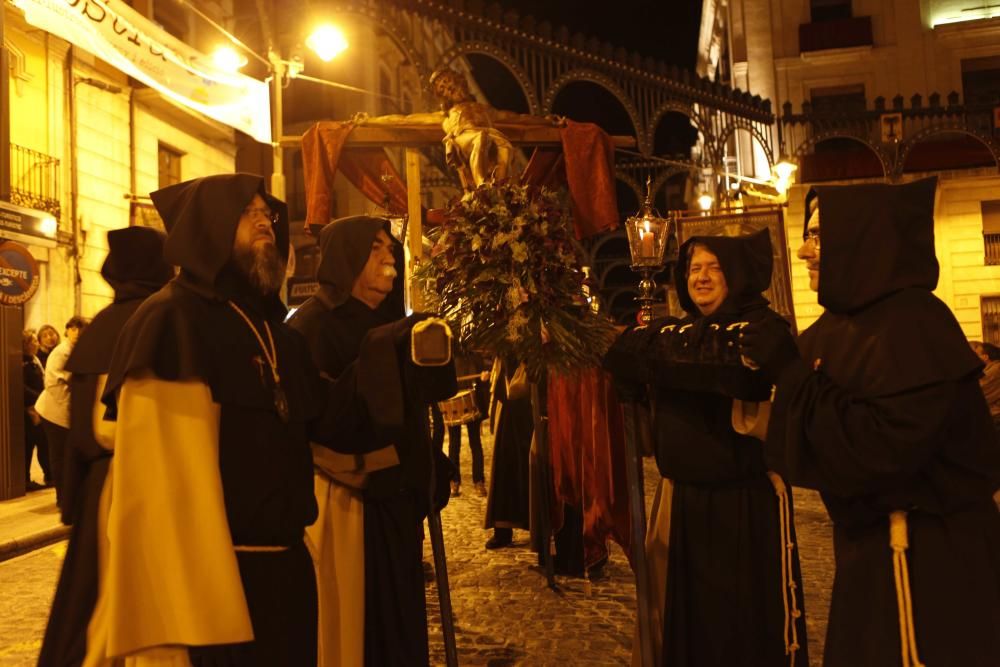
(587,446)
(365,167)
(321,147)
(589,154)
(586,165)
(323,153)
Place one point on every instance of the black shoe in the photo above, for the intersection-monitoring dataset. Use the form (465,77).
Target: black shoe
(500,541)
(32,485)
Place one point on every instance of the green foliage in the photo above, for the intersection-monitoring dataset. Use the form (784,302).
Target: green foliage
(505,264)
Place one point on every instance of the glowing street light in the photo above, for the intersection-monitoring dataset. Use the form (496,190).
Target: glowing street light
(705,202)
(327,42)
(782,176)
(228,59)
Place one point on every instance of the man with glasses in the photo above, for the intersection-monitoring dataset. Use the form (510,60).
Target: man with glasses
(211,481)
(879,408)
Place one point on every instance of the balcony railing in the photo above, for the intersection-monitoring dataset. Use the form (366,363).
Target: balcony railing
(838,34)
(34,180)
(927,135)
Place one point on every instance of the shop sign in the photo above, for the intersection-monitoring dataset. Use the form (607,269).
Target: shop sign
(19,220)
(18,274)
(127,40)
(300,289)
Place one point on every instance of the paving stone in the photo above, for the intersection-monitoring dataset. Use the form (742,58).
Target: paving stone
(506,615)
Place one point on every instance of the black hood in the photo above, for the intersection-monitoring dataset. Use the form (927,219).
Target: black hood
(201,217)
(135,267)
(345,245)
(876,239)
(746,262)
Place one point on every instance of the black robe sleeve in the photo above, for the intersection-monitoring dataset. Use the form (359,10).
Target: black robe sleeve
(823,437)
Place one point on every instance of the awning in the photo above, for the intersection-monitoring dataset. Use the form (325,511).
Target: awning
(135,45)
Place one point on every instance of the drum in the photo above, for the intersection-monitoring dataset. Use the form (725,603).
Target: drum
(459,409)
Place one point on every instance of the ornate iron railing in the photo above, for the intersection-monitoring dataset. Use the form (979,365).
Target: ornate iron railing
(891,130)
(34,180)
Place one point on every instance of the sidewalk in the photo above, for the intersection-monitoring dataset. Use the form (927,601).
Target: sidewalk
(29,522)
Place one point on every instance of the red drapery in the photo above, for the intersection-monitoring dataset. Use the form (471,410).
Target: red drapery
(585,165)
(587,445)
(323,153)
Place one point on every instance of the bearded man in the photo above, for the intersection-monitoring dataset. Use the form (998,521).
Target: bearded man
(879,408)
(211,483)
(730,586)
(367,543)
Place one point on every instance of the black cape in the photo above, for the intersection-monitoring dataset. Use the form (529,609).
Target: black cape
(369,349)
(725,597)
(134,268)
(884,413)
(188,331)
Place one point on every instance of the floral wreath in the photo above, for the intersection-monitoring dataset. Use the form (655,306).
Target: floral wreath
(506,272)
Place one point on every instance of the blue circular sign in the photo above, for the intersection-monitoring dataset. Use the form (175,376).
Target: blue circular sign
(18,274)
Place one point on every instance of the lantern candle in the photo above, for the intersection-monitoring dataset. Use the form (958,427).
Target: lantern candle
(647,244)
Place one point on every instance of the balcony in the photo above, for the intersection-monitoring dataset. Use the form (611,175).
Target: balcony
(836,34)
(34,180)
(893,138)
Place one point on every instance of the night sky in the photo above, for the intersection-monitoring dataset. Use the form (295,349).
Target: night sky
(664,29)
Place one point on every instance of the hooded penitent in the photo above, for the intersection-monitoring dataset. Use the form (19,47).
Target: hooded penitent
(222,456)
(877,242)
(746,262)
(345,245)
(201,217)
(883,413)
(135,269)
(731,587)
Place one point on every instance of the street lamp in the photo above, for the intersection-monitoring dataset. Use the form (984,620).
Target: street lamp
(647,239)
(326,41)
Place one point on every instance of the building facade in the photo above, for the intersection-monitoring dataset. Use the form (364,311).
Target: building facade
(887,91)
(88,144)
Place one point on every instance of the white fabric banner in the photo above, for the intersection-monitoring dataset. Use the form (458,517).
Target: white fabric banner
(117,34)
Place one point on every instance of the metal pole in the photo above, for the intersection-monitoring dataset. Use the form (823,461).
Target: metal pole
(637,515)
(4,111)
(277,127)
(541,419)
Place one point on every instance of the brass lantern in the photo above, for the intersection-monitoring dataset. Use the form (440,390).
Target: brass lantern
(648,234)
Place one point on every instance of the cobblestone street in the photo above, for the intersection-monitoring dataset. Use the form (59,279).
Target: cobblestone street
(505,614)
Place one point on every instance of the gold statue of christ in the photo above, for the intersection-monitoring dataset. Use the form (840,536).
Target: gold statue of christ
(474,147)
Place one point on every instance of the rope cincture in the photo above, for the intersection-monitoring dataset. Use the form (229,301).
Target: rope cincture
(789,586)
(899,542)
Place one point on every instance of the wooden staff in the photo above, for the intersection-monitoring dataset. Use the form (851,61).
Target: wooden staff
(637,516)
(541,418)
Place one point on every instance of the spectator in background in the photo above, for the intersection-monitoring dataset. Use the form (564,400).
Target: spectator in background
(990,381)
(466,366)
(48,338)
(53,403)
(34,436)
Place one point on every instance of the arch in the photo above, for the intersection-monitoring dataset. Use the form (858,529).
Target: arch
(673,106)
(731,129)
(935,130)
(493,51)
(590,76)
(810,144)
(607,243)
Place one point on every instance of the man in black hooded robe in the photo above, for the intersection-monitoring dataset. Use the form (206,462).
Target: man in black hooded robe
(357,334)
(211,482)
(135,269)
(733,593)
(879,408)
